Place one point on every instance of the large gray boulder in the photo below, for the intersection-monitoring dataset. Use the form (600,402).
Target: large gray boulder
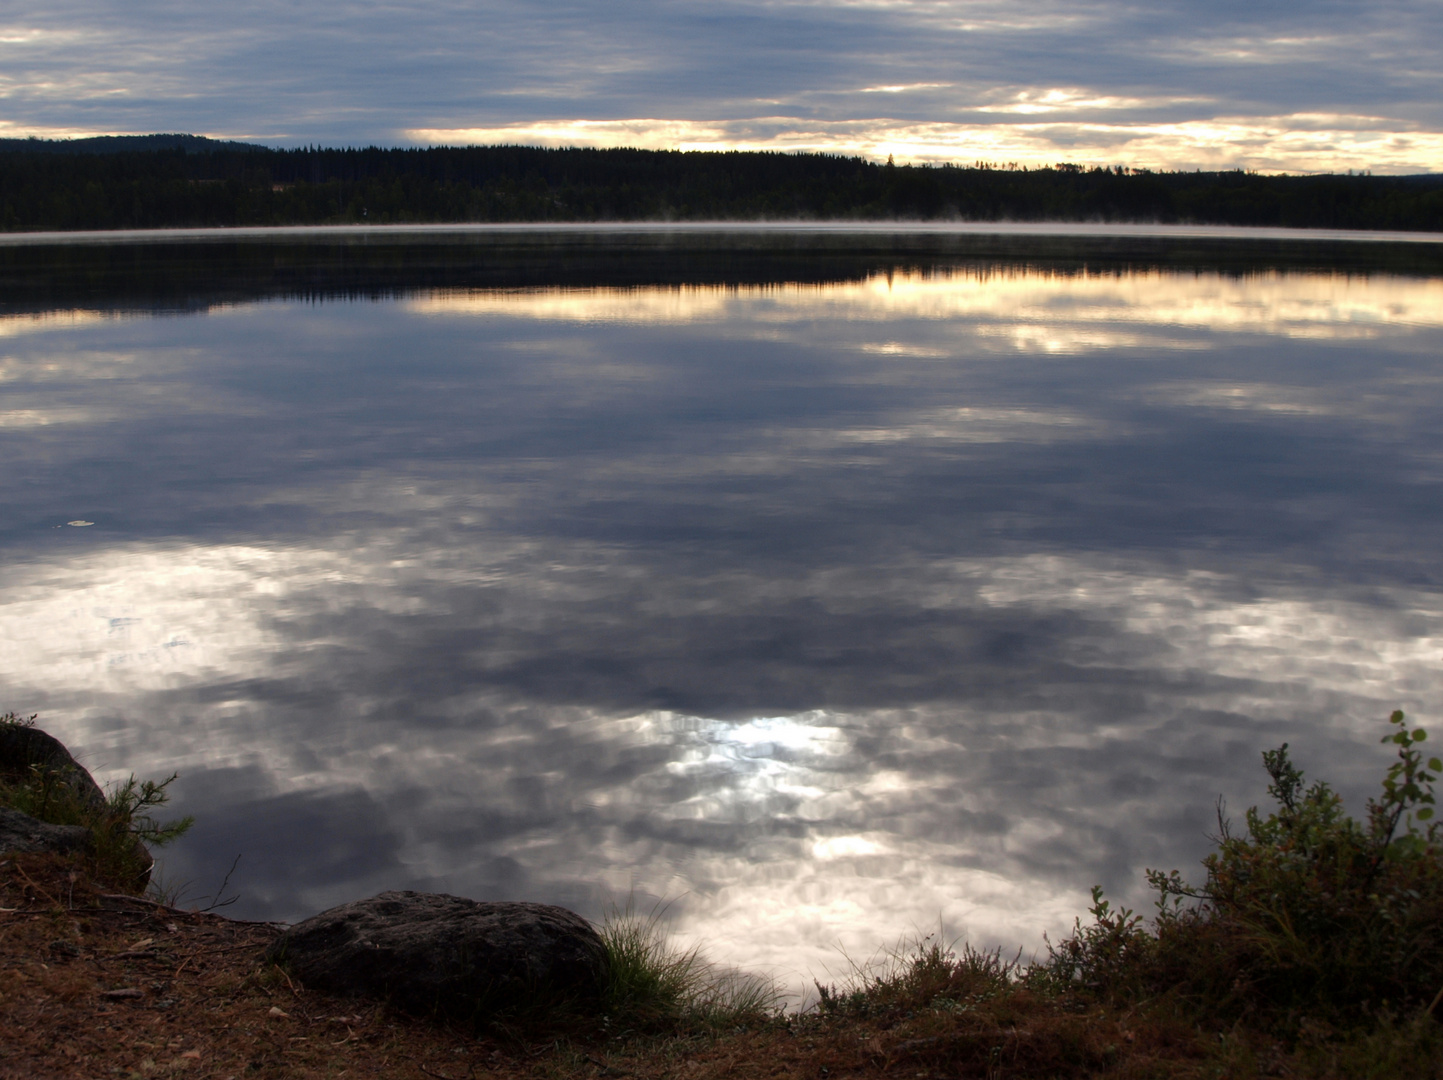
(432,953)
(23,833)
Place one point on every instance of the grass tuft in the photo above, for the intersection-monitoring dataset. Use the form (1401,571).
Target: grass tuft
(919,974)
(653,986)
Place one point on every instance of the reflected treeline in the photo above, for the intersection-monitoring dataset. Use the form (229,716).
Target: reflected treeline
(197,274)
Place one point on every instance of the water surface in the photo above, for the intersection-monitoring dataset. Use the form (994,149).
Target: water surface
(830,589)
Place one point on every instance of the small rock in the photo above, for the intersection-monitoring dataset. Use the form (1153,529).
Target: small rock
(427,952)
(276,1010)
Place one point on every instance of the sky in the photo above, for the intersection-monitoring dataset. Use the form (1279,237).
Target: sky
(1297,86)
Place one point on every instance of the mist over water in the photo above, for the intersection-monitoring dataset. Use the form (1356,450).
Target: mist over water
(829,607)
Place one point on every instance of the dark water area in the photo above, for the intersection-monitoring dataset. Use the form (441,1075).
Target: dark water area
(830,587)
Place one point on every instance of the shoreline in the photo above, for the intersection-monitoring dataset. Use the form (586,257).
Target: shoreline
(834,228)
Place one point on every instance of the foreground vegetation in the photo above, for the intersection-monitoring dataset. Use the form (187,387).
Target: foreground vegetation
(161,181)
(1310,949)
(121,821)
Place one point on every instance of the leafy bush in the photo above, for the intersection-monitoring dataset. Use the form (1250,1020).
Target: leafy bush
(1309,917)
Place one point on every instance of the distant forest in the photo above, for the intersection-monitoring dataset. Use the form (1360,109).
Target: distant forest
(159,181)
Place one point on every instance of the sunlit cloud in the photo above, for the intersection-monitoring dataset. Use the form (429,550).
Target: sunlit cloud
(644,134)
(19,35)
(1304,142)
(1034,102)
(902,89)
(30,131)
(1121,84)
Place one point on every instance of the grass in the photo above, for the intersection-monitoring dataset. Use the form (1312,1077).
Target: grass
(653,986)
(920,974)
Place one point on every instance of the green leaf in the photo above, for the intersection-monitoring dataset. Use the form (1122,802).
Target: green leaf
(1425,813)
(1419,735)
(1435,764)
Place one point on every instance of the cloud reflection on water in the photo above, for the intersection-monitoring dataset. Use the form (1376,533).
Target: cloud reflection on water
(807,606)
(1293,305)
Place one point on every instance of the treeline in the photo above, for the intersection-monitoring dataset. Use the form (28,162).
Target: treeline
(194,183)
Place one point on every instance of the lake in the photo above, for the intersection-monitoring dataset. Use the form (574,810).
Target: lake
(832,586)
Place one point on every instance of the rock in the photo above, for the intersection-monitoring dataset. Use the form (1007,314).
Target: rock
(428,952)
(21,832)
(24,748)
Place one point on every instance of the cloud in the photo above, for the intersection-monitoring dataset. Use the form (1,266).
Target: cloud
(1302,143)
(1165,86)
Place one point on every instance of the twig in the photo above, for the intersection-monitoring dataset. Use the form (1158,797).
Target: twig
(216,901)
(295,993)
(134,954)
(143,900)
(36,887)
(183,911)
(1436,998)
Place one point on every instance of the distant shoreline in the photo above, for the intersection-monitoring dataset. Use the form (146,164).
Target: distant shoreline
(872,228)
(54,187)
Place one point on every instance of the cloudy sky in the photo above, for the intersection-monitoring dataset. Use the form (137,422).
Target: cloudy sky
(1299,86)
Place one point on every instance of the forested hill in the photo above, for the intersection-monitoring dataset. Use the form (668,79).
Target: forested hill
(189,183)
(111,144)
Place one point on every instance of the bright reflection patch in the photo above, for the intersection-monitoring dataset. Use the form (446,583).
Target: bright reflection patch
(1059,313)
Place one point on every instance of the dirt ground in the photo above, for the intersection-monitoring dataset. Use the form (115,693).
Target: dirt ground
(98,985)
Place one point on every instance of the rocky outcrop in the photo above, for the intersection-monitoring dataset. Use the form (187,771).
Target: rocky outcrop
(24,749)
(432,953)
(23,833)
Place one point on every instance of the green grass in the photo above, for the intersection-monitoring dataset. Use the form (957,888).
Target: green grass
(920,973)
(653,986)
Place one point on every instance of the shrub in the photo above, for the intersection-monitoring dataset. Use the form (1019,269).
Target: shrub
(1308,914)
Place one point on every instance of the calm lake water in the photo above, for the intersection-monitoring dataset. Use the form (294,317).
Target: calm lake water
(832,588)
